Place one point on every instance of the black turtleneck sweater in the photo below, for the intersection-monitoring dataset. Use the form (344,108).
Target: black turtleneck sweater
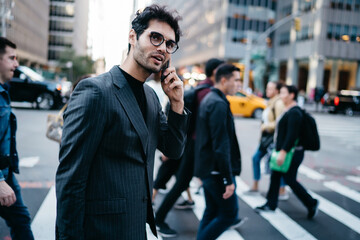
(137,88)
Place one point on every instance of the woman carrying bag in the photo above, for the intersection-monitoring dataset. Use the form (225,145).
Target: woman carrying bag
(287,146)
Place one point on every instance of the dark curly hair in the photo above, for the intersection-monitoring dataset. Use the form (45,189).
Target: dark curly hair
(156,12)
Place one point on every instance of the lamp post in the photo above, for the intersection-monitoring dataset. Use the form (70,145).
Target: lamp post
(5,13)
(250,41)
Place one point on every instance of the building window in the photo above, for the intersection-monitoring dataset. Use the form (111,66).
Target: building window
(357,5)
(306,6)
(353,34)
(348,5)
(345,33)
(273,5)
(337,31)
(330,31)
(284,38)
(340,4)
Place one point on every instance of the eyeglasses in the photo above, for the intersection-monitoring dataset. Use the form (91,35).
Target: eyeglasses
(157,39)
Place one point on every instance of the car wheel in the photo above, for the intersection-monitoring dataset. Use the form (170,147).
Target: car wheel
(45,101)
(349,111)
(257,114)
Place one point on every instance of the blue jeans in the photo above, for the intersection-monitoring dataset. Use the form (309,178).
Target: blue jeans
(219,213)
(17,216)
(259,154)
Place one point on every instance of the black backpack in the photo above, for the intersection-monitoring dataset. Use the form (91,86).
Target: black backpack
(309,136)
(190,102)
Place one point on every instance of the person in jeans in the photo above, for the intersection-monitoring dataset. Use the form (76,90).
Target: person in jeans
(271,114)
(217,155)
(12,208)
(288,132)
(185,170)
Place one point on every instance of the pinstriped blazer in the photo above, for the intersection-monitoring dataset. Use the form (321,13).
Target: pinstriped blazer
(105,176)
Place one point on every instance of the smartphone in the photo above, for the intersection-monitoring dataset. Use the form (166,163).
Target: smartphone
(166,65)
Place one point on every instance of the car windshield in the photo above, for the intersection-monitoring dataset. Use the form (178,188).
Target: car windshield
(31,73)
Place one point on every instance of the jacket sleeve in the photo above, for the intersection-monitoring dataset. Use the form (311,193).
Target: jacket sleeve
(173,132)
(220,140)
(293,129)
(277,109)
(83,125)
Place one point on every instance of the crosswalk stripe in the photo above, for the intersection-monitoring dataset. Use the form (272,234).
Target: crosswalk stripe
(353,179)
(279,220)
(29,162)
(43,225)
(199,210)
(343,190)
(150,235)
(310,173)
(338,213)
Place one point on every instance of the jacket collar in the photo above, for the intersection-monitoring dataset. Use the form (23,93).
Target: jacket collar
(127,99)
(220,93)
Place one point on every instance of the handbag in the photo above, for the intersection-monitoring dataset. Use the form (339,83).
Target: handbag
(265,140)
(285,166)
(55,125)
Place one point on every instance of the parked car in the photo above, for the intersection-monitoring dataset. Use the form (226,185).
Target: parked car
(246,105)
(29,86)
(345,101)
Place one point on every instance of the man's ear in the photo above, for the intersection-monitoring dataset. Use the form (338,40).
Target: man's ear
(132,37)
(223,80)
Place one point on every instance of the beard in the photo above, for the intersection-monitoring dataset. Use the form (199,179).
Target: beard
(144,60)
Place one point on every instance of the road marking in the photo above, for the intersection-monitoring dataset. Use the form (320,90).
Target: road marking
(338,213)
(310,173)
(47,184)
(29,162)
(150,235)
(43,225)
(353,179)
(199,209)
(278,219)
(343,190)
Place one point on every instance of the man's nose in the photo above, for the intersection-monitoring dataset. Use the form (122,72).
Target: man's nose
(162,47)
(16,63)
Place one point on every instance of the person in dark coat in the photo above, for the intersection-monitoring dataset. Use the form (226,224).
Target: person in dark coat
(217,155)
(112,126)
(288,134)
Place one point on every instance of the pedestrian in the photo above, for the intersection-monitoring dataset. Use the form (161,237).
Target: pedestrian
(12,208)
(217,155)
(185,170)
(288,133)
(271,114)
(112,126)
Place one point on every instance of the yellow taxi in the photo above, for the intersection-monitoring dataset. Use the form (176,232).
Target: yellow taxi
(246,105)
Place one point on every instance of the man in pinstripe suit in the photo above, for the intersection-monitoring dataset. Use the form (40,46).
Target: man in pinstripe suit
(112,126)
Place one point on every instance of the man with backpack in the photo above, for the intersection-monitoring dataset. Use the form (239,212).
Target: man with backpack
(192,99)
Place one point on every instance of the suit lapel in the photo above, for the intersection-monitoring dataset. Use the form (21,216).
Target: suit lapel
(127,99)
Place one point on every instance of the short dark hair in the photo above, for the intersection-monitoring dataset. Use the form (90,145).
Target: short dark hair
(5,42)
(225,70)
(292,89)
(211,65)
(156,12)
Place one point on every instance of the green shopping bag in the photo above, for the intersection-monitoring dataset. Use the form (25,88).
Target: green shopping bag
(285,166)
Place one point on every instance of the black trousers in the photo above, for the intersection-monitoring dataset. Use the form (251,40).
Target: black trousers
(290,179)
(183,178)
(165,172)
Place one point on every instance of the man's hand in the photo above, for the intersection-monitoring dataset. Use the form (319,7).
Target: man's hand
(164,158)
(174,89)
(7,195)
(229,191)
(281,157)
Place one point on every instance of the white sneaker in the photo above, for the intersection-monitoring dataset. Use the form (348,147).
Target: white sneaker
(283,197)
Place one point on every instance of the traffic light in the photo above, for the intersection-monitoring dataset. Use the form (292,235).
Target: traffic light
(297,24)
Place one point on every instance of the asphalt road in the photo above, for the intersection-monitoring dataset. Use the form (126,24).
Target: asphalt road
(333,174)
